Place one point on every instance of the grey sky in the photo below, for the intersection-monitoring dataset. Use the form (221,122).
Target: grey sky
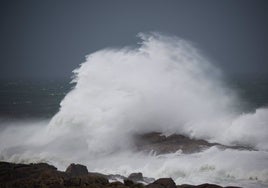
(49,38)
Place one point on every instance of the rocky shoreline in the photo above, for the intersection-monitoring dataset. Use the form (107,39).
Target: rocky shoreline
(42,175)
(160,144)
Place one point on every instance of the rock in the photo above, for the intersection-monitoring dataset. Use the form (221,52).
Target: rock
(185,186)
(137,185)
(86,180)
(136,177)
(96,179)
(128,182)
(46,176)
(75,181)
(206,185)
(117,184)
(76,170)
(162,183)
(30,175)
(161,144)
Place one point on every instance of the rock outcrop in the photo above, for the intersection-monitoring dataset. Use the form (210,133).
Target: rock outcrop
(136,177)
(162,183)
(76,170)
(43,175)
(161,144)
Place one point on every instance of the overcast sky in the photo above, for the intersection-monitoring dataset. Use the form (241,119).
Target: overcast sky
(50,38)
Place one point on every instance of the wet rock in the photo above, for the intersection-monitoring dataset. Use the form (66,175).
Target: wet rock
(117,184)
(161,144)
(128,182)
(29,175)
(46,176)
(206,185)
(75,181)
(185,186)
(162,183)
(76,170)
(86,180)
(138,185)
(136,177)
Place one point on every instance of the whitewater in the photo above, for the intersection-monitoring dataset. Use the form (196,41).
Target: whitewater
(162,84)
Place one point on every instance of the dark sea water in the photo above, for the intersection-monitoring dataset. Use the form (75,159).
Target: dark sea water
(41,98)
(31,98)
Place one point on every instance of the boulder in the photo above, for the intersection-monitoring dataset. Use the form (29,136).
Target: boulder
(186,186)
(128,182)
(76,170)
(136,177)
(162,183)
(207,185)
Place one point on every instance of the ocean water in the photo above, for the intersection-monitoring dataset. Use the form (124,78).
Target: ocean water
(25,98)
(165,84)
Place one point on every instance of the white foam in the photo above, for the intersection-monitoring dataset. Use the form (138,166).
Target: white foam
(163,85)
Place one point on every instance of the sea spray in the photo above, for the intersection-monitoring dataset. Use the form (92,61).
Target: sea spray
(164,85)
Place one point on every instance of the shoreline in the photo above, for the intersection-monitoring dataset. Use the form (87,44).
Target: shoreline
(44,175)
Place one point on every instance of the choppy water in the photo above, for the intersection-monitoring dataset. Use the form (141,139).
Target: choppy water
(31,98)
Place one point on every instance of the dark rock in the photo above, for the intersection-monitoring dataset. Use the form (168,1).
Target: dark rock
(75,181)
(206,185)
(137,185)
(43,175)
(30,175)
(128,182)
(76,170)
(97,179)
(117,184)
(86,180)
(43,166)
(160,144)
(136,177)
(162,183)
(185,186)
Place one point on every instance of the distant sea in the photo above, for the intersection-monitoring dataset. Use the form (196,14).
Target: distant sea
(26,98)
